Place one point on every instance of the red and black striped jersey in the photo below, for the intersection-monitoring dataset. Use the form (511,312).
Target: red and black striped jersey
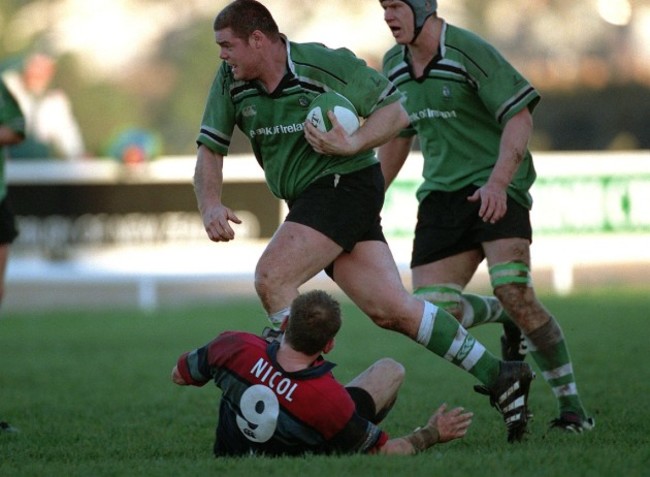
(267,410)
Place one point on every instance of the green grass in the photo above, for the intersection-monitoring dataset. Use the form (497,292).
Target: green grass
(91,395)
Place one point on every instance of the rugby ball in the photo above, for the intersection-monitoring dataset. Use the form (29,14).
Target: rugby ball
(345,112)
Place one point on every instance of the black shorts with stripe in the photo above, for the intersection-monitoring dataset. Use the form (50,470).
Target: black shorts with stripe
(449,224)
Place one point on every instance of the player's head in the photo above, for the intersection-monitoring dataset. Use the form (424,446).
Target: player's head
(314,321)
(421,9)
(243,17)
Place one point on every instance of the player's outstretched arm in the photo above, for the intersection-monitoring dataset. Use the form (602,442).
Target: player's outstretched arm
(442,427)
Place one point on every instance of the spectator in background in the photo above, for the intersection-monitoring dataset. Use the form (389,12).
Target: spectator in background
(12,131)
(52,130)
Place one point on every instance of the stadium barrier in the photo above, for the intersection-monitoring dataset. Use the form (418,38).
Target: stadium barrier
(97,224)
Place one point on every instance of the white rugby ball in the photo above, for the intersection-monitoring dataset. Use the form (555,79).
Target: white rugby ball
(345,112)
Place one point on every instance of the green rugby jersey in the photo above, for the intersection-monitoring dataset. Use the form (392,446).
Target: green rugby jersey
(458,109)
(12,117)
(274,122)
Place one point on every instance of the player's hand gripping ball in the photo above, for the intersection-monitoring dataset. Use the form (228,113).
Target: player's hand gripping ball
(345,112)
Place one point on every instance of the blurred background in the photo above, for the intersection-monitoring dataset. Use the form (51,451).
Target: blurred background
(149,62)
(131,77)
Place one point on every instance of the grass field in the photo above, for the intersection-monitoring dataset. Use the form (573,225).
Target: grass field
(91,396)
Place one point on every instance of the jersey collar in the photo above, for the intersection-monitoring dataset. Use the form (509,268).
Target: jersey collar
(289,76)
(318,368)
(290,66)
(442,51)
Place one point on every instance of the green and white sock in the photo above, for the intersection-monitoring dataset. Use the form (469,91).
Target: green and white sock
(446,296)
(476,309)
(278,317)
(479,309)
(549,350)
(441,334)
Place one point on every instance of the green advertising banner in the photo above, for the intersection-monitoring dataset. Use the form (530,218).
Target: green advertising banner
(579,193)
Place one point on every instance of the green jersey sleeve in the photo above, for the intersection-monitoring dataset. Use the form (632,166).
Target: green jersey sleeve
(10,113)
(501,88)
(218,121)
(373,91)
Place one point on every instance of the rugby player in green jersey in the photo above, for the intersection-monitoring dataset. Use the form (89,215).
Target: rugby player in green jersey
(471,111)
(12,131)
(333,185)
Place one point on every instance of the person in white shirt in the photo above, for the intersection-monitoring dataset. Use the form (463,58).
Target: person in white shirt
(52,129)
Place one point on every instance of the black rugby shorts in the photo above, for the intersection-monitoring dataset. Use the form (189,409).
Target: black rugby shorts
(8,228)
(346,208)
(449,224)
(363,402)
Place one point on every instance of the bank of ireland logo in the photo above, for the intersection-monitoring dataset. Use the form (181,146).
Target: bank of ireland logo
(249,111)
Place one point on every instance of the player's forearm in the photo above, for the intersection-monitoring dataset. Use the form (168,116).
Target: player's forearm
(208,177)
(417,441)
(381,126)
(392,156)
(512,149)
(399,446)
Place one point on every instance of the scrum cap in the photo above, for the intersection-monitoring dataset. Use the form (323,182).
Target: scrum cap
(422,9)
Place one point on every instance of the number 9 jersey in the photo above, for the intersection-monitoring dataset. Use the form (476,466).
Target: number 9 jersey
(267,410)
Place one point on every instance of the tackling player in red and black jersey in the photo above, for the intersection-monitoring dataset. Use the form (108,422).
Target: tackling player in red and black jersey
(281,398)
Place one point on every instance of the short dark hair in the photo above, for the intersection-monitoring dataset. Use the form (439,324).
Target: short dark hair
(243,17)
(315,319)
